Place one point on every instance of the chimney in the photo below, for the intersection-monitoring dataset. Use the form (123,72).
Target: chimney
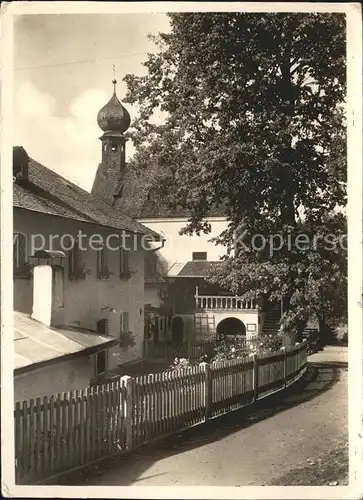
(20,164)
(48,287)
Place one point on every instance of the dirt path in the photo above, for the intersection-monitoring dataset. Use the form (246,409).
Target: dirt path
(274,444)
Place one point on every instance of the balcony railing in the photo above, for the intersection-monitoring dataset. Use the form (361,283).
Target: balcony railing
(214,302)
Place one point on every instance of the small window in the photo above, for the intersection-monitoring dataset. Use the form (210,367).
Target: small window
(124,262)
(199,255)
(73,261)
(19,255)
(102,270)
(124,322)
(100,363)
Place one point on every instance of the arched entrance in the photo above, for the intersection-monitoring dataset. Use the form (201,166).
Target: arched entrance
(231,327)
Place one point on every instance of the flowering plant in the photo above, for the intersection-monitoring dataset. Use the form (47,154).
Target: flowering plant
(127,339)
(233,348)
(181,364)
(108,309)
(240,347)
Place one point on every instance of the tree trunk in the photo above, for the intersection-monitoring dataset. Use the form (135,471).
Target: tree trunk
(324,331)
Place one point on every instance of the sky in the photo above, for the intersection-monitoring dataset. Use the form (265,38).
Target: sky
(63,77)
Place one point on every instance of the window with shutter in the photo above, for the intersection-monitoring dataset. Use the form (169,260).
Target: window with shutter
(102,270)
(124,263)
(124,322)
(74,270)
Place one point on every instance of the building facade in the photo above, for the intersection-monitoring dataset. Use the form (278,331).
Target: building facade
(93,254)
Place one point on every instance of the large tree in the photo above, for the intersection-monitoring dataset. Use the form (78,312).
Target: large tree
(254,121)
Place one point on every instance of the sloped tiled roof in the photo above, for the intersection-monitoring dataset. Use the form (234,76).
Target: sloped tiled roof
(69,200)
(26,199)
(138,198)
(175,269)
(197,269)
(37,343)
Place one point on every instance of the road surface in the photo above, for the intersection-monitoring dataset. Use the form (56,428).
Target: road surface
(262,446)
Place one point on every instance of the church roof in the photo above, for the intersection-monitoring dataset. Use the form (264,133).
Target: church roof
(113,118)
(47,192)
(139,200)
(28,200)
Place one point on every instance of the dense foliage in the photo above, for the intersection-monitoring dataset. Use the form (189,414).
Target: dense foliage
(254,122)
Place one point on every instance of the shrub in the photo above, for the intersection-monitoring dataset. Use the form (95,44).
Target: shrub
(239,347)
(233,348)
(181,363)
(127,339)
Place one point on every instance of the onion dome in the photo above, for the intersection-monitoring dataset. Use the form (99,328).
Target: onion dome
(113,117)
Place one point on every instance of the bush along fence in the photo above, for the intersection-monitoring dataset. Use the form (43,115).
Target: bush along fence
(164,350)
(168,351)
(59,433)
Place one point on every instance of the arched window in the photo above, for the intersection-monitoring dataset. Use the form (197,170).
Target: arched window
(20,267)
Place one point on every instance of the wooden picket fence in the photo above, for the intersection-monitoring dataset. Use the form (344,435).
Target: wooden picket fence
(59,433)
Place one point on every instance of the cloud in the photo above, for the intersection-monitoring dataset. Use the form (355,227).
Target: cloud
(68,145)
(33,103)
(86,106)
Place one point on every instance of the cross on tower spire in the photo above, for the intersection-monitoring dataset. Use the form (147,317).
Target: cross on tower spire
(114,81)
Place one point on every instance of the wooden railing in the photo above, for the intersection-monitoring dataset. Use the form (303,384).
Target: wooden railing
(62,432)
(213,302)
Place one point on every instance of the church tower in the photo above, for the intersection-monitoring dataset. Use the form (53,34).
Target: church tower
(113,119)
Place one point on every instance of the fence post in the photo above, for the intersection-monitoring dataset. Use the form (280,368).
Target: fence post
(283,349)
(126,381)
(207,390)
(255,376)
